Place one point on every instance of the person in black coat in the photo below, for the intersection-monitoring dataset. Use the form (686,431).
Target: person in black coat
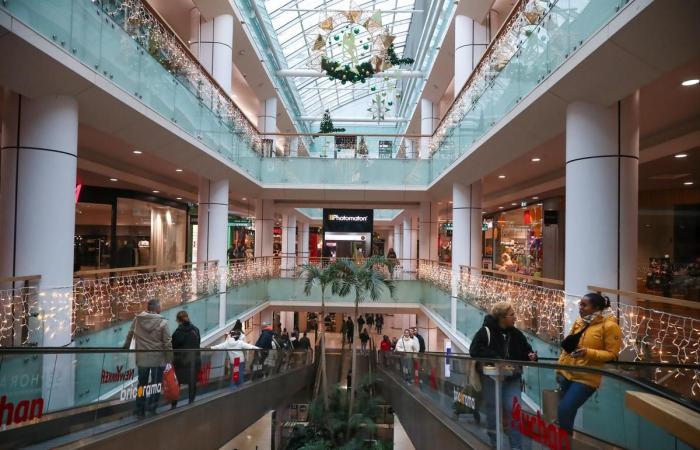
(187,364)
(499,339)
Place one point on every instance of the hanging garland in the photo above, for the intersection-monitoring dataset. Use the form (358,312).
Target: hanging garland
(362,71)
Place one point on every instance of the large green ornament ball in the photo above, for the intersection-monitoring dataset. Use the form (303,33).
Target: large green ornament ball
(336,37)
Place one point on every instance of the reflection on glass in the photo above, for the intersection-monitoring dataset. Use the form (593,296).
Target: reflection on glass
(93,243)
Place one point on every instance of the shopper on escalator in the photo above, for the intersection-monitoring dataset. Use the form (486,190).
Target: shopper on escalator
(499,339)
(187,364)
(595,339)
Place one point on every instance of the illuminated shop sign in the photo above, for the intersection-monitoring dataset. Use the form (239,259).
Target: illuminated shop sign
(348,220)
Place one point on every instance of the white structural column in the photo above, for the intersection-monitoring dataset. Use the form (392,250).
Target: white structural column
(267,119)
(428,226)
(37,222)
(264,225)
(212,229)
(294,146)
(410,242)
(397,241)
(289,241)
(211,41)
(471,40)
(428,122)
(37,198)
(304,244)
(466,234)
(602,160)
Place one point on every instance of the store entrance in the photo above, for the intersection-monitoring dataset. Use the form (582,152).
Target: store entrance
(347,233)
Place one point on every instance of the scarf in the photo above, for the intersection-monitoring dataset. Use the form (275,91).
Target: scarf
(591,317)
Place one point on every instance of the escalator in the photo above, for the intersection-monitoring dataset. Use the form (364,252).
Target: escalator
(63,398)
(446,402)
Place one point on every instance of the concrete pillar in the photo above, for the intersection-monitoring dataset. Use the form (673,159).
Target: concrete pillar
(410,242)
(471,40)
(428,231)
(37,223)
(267,119)
(264,224)
(398,249)
(294,146)
(211,41)
(466,225)
(428,122)
(602,161)
(304,250)
(37,200)
(289,241)
(212,230)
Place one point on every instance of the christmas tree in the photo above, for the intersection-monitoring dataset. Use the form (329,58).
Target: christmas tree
(327,125)
(362,147)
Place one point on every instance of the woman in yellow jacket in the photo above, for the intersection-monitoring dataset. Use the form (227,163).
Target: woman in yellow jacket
(595,339)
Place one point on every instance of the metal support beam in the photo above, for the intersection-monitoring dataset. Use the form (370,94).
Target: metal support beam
(311,73)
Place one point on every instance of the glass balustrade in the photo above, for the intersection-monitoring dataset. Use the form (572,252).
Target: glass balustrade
(465,389)
(110,40)
(99,390)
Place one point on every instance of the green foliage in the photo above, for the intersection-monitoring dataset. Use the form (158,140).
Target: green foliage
(359,73)
(327,124)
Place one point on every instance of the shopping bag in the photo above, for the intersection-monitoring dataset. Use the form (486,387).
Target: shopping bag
(204,374)
(550,404)
(171,388)
(236,369)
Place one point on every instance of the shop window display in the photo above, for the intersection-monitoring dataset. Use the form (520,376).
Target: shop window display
(93,242)
(513,240)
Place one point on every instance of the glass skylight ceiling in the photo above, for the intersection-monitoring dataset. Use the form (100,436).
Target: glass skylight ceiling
(296,25)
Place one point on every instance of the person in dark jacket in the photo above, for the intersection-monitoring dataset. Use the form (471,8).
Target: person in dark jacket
(187,364)
(421,341)
(349,330)
(499,339)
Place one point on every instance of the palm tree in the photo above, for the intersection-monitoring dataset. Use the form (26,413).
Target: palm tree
(365,280)
(325,277)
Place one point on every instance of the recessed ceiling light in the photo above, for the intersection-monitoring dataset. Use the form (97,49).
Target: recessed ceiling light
(178,198)
(681,155)
(514,204)
(244,199)
(535,198)
(535,159)
(178,170)
(691,82)
(450,202)
(500,207)
(137,152)
(501,177)
(688,183)
(113,179)
(155,191)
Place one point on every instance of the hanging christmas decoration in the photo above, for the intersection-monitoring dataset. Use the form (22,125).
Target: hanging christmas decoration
(327,125)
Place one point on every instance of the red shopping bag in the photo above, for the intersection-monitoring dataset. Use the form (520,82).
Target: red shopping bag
(236,369)
(171,388)
(204,373)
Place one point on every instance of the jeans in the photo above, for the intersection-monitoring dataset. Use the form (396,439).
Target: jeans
(148,399)
(509,388)
(573,395)
(363,347)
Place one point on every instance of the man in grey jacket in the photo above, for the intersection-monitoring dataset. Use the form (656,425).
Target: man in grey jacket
(150,331)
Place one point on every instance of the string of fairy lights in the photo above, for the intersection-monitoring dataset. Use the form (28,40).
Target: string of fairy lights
(146,29)
(514,32)
(649,335)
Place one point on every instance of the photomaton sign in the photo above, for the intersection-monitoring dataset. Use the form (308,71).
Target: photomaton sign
(348,220)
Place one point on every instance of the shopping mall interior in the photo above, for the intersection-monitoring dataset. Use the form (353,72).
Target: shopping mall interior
(355,224)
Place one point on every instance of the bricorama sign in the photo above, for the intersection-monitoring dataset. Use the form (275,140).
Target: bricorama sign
(348,220)
(134,392)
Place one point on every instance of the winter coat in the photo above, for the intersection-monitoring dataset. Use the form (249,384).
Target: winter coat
(603,339)
(186,336)
(234,345)
(385,346)
(364,337)
(304,343)
(150,331)
(265,340)
(421,342)
(406,345)
(510,343)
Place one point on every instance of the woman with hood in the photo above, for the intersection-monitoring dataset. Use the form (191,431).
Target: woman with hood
(235,344)
(187,364)
(499,339)
(595,339)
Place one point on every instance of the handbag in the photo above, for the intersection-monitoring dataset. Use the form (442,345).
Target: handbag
(171,388)
(570,343)
(550,404)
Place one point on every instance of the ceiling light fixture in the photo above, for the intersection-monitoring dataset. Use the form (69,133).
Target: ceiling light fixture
(501,177)
(535,198)
(536,159)
(137,152)
(113,179)
(244,199)
(691,82)
(178,198)
(680,155)
(155,191)
(514,204)
(178,170)
(500,207)
(688,183)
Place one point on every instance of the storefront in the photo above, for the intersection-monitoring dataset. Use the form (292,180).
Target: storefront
(347,233)
(123,228)
(445,242)
(513,240)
